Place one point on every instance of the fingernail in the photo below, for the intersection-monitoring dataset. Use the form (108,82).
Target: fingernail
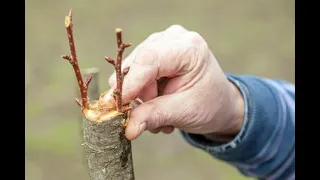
(142,127)
(133,132)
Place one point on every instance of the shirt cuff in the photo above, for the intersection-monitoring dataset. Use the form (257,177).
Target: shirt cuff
(264,147)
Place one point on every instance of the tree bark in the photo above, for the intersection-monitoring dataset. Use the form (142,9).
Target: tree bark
(108,151)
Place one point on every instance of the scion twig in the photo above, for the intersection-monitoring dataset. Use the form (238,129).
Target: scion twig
(117,93)
(83,103)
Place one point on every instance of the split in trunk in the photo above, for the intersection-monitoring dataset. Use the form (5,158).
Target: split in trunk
(108,151)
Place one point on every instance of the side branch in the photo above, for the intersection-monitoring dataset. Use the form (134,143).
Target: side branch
(88,82)
(110,60)
(74,62)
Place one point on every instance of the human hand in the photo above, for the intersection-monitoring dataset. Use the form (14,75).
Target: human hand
(182,86)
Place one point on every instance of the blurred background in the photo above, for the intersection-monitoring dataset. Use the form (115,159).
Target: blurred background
(248,36)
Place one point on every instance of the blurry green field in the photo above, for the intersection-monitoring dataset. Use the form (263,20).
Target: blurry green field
(252,37)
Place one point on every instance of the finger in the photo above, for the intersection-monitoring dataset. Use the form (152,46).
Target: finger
(128,60)
(161,111)
(156,130)
(159,60)
(171,32)
(174,30)
(149,92)
(167,129)
(138,78)
(164,129)
(135,103)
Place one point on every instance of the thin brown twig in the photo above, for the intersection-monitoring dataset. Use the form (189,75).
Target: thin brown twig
(74,62)
(109,59)
(125,71)
(117,93)
(88,81)
(78,102)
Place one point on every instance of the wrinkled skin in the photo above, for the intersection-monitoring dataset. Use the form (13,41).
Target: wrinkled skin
(196,96)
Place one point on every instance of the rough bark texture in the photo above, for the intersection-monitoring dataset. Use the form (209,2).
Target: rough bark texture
(107,149)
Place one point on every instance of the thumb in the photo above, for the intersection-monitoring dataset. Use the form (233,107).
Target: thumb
(161,111)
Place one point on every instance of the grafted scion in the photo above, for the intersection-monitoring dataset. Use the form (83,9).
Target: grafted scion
(83,103)
(117,93)
(83,86)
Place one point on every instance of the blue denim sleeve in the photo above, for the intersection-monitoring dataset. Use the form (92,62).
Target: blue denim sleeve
(265,146)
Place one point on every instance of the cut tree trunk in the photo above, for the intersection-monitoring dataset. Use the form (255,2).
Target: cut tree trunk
(108,151)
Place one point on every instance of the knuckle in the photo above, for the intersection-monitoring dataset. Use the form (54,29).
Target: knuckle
(148,56)
(154,36)
(194,34)
(195,40)
(195,37)
(176,28)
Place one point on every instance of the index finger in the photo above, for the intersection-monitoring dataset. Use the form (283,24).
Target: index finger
(171,32)
(156,59)
(128,60)
(152,64)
